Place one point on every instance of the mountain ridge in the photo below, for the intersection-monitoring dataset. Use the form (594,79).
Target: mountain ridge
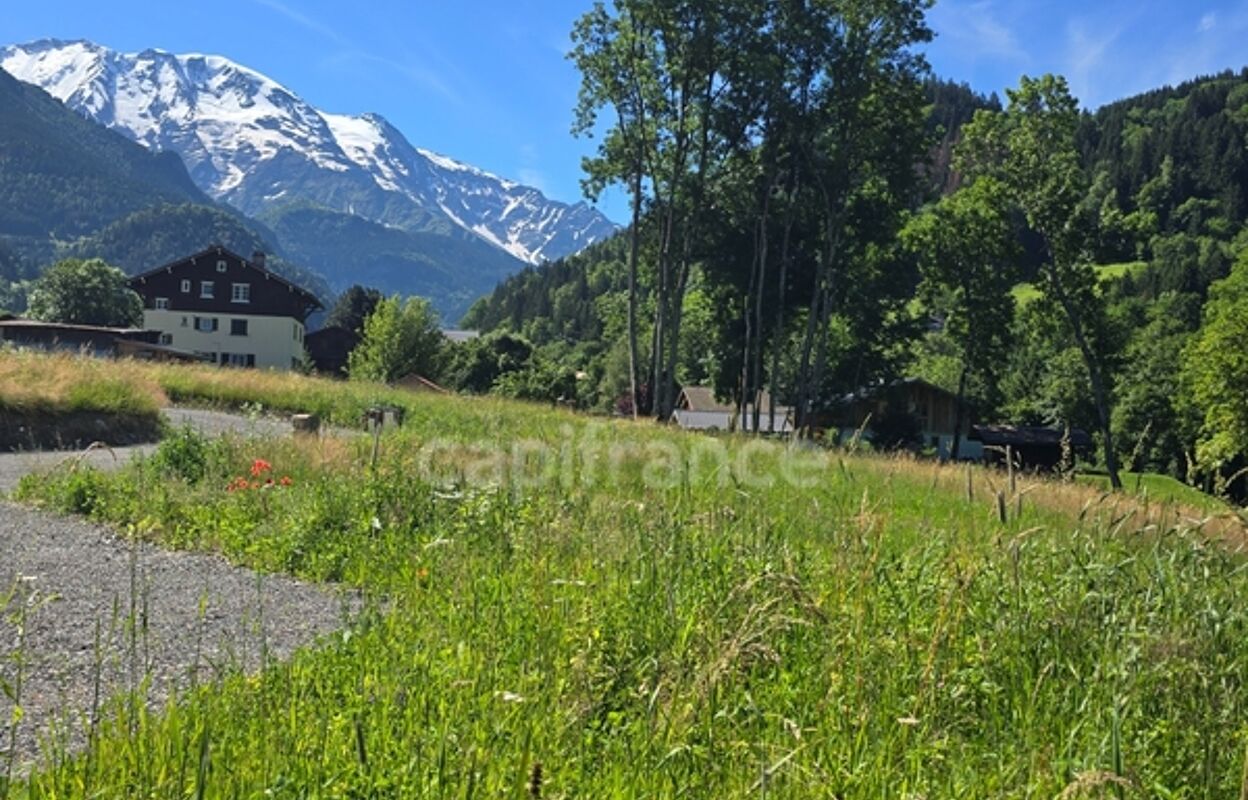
(248,140)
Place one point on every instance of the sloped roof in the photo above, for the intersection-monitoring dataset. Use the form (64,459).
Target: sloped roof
(419,383)
(36,324)
(870,392)
(702,398)
(217,249)
(1024,436)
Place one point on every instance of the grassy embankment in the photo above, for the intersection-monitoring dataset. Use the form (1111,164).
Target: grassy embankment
(51,401)
(62,400)
(645,614)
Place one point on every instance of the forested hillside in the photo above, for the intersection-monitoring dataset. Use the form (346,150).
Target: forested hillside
(164,233)
(62,176)
(1170,161)
(1158,180)
(443,263)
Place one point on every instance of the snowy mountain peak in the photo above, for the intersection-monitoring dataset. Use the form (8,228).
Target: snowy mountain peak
(248,140)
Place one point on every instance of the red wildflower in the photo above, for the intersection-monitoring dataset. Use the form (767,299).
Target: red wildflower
(259,467)
(286,481)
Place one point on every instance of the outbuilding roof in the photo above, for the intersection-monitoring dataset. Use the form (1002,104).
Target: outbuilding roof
(1028,436)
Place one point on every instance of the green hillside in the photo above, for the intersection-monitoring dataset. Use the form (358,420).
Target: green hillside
(62,176)
(450,267)
(1025,292)
(164,233)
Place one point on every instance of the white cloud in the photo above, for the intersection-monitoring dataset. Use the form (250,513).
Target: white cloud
(977,29)
(299,18)
(1207,22)
(357,61)
(529,173)
(1085,56)
(530,176)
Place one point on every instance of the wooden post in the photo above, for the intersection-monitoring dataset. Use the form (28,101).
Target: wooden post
(1009,465)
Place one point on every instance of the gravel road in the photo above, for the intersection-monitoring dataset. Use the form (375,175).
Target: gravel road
(197,615)
(211,423)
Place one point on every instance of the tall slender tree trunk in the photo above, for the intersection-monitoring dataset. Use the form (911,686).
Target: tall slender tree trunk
(756,384)
(1100,393)
(820,313)
(743,387)
(778,345)
(959,405)
(633,251)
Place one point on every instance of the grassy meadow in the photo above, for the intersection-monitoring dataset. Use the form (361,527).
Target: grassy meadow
(563,607)
(1026,292)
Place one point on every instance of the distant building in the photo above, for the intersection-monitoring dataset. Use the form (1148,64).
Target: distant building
(698,410)
(932,409)
(1031,447)
(227,309)
(93,340)
(329,348)
(459,337)
(419,383)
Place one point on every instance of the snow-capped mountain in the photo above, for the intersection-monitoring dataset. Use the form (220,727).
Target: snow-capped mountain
(251,142)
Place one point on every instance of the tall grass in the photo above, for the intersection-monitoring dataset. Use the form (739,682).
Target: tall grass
(33,382)
(633,626)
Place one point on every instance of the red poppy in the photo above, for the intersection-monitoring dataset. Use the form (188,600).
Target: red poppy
(286,481)
(259,467)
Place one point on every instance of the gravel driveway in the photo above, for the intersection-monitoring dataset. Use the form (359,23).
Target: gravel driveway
(210,423)
(159,614)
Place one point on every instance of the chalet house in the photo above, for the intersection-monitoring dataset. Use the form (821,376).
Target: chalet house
(933,409)
(229,310)
(698,410)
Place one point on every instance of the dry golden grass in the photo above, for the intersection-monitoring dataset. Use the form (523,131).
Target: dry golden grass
(41,382)
(1090,506)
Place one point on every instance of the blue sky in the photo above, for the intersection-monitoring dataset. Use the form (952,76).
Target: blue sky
(486,81)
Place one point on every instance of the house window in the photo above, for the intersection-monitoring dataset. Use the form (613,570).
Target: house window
(184,322)
(240,293)
(162,303)
(206,290)
(206,324)
(166,338)
(221,266)
(207,356)
(238,327)
(186,286)
(238,359)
